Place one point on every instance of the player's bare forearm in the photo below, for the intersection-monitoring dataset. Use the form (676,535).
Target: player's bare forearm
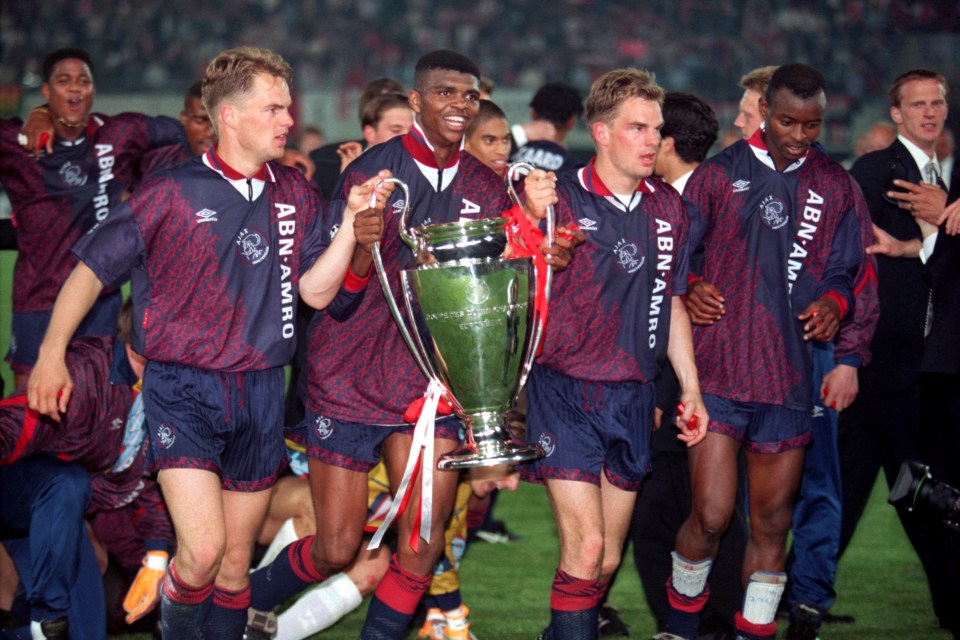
(362,225)
(694,419)
(320,283)
(362,261)
(49,386)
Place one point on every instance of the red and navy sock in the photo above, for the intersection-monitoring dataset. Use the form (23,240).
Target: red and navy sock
(290,573)
(750,631)
(228,616)
(183,607)
(683,619)
(573,608)
(602,587)
(393,603)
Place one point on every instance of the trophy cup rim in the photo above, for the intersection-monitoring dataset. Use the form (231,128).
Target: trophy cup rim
(483,223)
(466,262)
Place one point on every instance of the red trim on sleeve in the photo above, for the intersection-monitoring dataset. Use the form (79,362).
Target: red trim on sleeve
(30,418)
(833,295)
(354,283)
(869,275)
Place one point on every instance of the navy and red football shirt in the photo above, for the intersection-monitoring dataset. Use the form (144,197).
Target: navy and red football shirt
(60,197)
(216,259)
(610,309)
(773,242)
(359,369)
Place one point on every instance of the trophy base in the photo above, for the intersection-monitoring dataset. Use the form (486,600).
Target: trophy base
(467,457)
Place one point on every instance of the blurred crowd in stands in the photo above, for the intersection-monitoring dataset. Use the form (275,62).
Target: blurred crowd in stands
(693,45)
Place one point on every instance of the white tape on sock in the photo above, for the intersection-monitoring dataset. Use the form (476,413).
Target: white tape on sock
(762,597)
(690,578)
(285,536)
(320,607)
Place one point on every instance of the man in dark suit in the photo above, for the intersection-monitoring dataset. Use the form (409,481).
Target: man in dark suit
(939,252)
(886,424)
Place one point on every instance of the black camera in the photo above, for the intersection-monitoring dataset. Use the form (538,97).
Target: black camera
(917,491)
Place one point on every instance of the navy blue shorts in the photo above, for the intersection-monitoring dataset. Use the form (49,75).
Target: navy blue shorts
(27,330)
(356,446)
(759,427)
(227,423)
(585,427)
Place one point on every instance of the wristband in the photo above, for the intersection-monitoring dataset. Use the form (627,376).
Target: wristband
(354,283)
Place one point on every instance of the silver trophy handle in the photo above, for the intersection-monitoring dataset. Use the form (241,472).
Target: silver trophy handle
(408,239)
(513,172)
(385,281)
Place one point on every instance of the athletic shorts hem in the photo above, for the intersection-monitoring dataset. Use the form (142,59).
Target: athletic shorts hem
(624,484)
(252,486)
(762,447)
(158,464)
(541,474)
(354,446)
(339,460)
(789,444)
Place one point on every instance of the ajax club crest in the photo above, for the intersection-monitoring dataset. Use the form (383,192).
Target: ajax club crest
(252,245)
(324,428)
(773,212)
(628,256)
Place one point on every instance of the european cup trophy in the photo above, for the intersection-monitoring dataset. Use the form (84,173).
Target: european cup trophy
(472,325)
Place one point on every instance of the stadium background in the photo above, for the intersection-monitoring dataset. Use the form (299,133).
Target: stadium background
(147,53)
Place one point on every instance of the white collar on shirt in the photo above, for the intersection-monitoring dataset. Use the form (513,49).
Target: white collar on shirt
(919,156)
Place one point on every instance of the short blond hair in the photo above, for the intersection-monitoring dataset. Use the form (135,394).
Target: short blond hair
(233,71)
(612,88)
(758,79)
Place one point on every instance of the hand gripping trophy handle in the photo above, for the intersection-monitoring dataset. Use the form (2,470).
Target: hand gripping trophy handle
(471,326)
(513,172)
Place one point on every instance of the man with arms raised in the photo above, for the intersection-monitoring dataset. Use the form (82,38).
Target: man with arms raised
(219,248)
(82,170)
(781,246)
(614,318)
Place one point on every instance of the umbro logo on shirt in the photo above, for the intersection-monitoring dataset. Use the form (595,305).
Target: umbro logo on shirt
(206,215)
(741,185)
(586,224)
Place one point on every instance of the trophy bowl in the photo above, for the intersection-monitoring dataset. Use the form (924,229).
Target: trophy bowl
(473,320)
(470,324)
